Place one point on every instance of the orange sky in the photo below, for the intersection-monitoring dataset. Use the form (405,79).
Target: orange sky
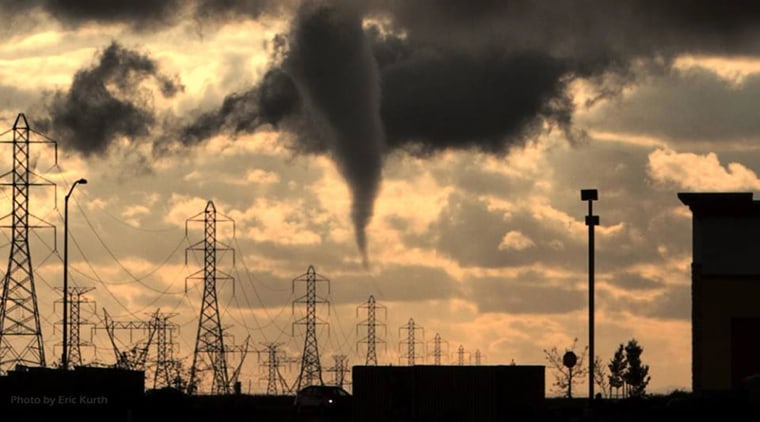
(488,249)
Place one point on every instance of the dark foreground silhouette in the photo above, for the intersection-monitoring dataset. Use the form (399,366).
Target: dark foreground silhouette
(99,394)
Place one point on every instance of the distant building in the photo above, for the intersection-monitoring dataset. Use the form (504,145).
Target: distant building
(725,289)
(428,393)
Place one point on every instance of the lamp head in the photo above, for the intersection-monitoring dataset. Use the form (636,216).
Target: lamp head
(82,181)
(589,195)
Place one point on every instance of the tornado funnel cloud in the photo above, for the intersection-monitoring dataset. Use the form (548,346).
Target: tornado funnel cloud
(333,66)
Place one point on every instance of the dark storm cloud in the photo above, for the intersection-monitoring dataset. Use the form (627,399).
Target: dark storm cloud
(595,31)
(445,74)
(139,14)
(106,101)
(487,74)
(442,101)
(274,99)
(148,15)
(11,7)
(228,10)
(709,108)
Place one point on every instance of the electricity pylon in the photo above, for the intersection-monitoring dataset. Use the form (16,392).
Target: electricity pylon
(165,365)
(276,383)
(75,343)
(411,341)
(209,341)
(371,323)
(438,351)
(461,356)
(20,332)
(134,355)
(339,370)
(311,370)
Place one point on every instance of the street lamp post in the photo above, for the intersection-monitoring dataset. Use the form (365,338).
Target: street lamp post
(65,353)
(592,220)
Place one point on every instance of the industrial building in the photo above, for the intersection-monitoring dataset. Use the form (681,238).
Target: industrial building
(448,393)
(725,289)
(84,393)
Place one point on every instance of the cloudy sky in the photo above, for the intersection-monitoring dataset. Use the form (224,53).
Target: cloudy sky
(429,153)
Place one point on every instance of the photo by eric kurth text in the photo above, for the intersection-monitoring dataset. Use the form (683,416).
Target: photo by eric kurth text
(59,400)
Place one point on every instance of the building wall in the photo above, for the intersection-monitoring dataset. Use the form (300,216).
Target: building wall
(448,393)
(725,288)
(726,319)
(727,245)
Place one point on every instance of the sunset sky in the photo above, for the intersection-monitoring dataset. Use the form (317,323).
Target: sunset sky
(428,152)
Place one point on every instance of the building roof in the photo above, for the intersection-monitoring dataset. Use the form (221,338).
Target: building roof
(720,203)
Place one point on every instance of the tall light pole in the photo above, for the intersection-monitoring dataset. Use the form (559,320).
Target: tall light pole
(592,220)
(65,353)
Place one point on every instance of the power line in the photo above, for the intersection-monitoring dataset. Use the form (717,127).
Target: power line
(118,262)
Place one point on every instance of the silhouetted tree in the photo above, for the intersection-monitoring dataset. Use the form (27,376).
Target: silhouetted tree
(601,377)
(636,374)
(617,367)
(565,378)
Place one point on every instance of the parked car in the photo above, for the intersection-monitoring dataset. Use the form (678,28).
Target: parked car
(323,400)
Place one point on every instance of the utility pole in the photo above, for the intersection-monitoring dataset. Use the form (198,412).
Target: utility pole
(411,340)
(311,370)
(20,332)
(65,356)
(371,324)
(592,220)
(209,352)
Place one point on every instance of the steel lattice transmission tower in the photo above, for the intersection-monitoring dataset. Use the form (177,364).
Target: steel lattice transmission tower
(411,341)
(276,383)
(311,370)
(339,370)
(132,355)
(209,341)
(460,355)
(371,323)
(75,343)
(165,364)
(20,332)
(478,357)
(438,342)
